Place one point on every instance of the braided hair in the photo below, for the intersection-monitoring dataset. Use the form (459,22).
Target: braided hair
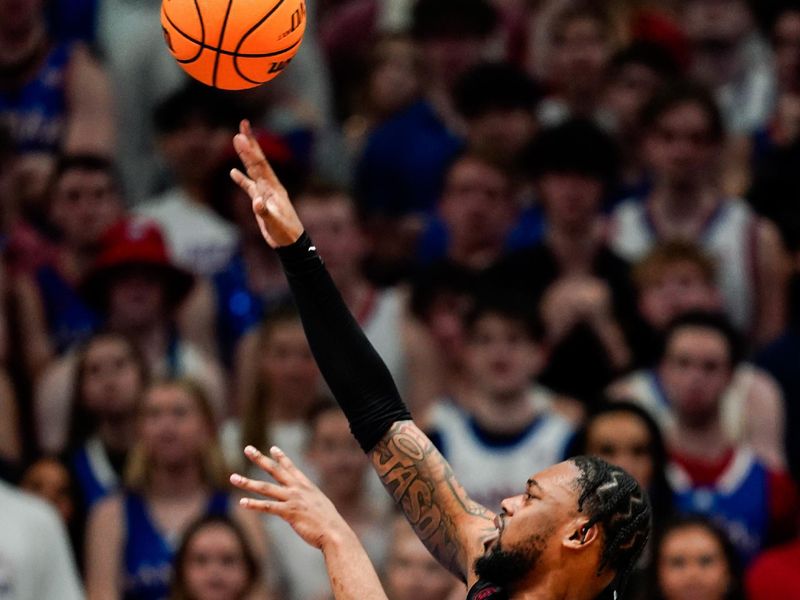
(612,498)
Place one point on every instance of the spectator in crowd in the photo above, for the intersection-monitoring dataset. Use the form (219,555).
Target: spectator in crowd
(779,360)
(625,435)
(411,572)
(142,74)
(193,126)
(215,562)
(784,127)
(391,83)
(350,56)
(579,283)
(84,203)
(729,56)
(110,377)
(341,473)
(35,557)
(711,473)
(476,214)
(137,291)
(404,160)
(330,217)
(277,385)
(674,279)
(636,74)
(51,480)
(683,136)
(583,43)
(498,104)
(506,424)
(442,296)
(774,574)
(175,474)
(776,147)
(54,95)
(695,559)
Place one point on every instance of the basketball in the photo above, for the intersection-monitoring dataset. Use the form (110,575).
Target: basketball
(233,44)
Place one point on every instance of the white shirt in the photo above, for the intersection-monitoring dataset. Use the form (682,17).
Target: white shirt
(36,560)
(198,239)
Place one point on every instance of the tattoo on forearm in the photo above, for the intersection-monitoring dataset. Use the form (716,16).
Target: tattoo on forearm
(424,486)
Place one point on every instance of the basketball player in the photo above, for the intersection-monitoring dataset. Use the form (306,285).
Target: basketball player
(574,531)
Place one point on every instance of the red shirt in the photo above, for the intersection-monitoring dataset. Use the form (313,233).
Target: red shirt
(776,574)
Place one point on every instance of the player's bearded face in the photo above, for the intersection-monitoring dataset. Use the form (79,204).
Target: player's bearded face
(506,566)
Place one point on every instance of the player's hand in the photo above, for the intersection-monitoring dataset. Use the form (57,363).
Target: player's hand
(275,214)
(293,498)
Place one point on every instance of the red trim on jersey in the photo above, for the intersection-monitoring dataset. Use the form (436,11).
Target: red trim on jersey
(703,472)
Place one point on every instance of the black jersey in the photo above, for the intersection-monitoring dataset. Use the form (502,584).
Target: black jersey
(484,590)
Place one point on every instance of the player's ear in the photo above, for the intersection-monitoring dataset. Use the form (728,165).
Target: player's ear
(581,534)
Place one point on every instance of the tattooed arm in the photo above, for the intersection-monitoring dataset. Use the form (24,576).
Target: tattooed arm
(452,526)
(421,482)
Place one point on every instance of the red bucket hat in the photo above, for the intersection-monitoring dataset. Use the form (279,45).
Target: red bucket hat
(134,243)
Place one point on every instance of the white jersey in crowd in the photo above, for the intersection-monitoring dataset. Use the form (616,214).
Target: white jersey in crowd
(35,556)
(198,239)
(644,388)
(730,237)
(383,326)
(491,471)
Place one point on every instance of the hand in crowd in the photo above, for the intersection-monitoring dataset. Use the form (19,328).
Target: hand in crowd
(573,300)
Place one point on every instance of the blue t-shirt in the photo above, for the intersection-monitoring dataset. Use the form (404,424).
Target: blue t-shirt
(35,114)
(404,161)
(69,319)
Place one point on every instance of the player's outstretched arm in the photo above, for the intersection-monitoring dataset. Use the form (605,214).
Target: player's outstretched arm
(417,476)
(296,500)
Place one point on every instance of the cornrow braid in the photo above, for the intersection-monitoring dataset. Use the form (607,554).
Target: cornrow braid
(613,499)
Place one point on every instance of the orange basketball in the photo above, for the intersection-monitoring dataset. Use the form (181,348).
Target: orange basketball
(233,44)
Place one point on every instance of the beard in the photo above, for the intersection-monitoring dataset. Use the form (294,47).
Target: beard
(505,567)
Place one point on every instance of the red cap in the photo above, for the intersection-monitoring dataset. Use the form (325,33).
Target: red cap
(134,243)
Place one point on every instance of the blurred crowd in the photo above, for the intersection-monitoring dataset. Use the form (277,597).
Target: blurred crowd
(568,227)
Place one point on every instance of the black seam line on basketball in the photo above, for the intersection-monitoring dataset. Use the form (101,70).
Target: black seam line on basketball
(200,45)
(226,52)
(236,58)
(247,34)
(221,37)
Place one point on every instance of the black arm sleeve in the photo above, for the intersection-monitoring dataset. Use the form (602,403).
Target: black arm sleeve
(357,376)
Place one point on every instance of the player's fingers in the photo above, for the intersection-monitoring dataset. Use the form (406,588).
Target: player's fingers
(263,164)
(266,464)
(262,488)
(252,158)
(271,507)
(286,462)
(243,181)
